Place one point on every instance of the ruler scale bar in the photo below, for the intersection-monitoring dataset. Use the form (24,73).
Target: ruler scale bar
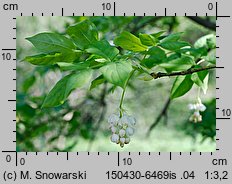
(102,167)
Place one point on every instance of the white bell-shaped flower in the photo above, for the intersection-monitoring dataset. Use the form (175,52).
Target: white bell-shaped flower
(131,121)
(115,138)
(201,107)
(122,140)
(195,117)
(122,128)
(196,113)
(122,132)
(198,107)
(129,131)
(192,106)
(123,121)
(127,140)
(113,129)
(113,119)
(199,118)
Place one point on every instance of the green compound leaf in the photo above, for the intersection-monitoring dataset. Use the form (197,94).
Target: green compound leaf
(157,56)
(130,42)
(28,82)
(104,49)
(172,38)
(182,63)
(147,39)
(98,81)
(44,59)
(65,86)
(173,46)
(51,42)
(117,73)
(196,52)
(71,66)
(207,41)
(201,79)
(83,34)
(51,59)
(181,86)
(158,34)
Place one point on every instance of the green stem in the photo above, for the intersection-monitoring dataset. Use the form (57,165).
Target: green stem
(144,56)
(198,92)
(123,93)
(121,101)
(198,95)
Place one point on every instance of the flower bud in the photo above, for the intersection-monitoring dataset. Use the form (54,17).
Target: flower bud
(123,121)
(122,140)
(198,107)
(199,118)
(127,140)
(201,107)
(191,107)
(121,128)
(129,131)
(122,132)
(115,138)
(131,121)
(113,119)
(113,129)
(196,113)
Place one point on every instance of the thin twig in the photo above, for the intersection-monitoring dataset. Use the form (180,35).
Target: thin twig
(162,113)
(185,72)
(204,22)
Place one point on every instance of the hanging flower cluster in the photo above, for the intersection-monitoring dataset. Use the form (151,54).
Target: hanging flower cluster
(122,128)
(197,108)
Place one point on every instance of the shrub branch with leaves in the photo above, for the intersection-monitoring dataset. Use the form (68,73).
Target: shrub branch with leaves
(146,57)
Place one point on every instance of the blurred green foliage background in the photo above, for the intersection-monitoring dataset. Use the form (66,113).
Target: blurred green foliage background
(81,123)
